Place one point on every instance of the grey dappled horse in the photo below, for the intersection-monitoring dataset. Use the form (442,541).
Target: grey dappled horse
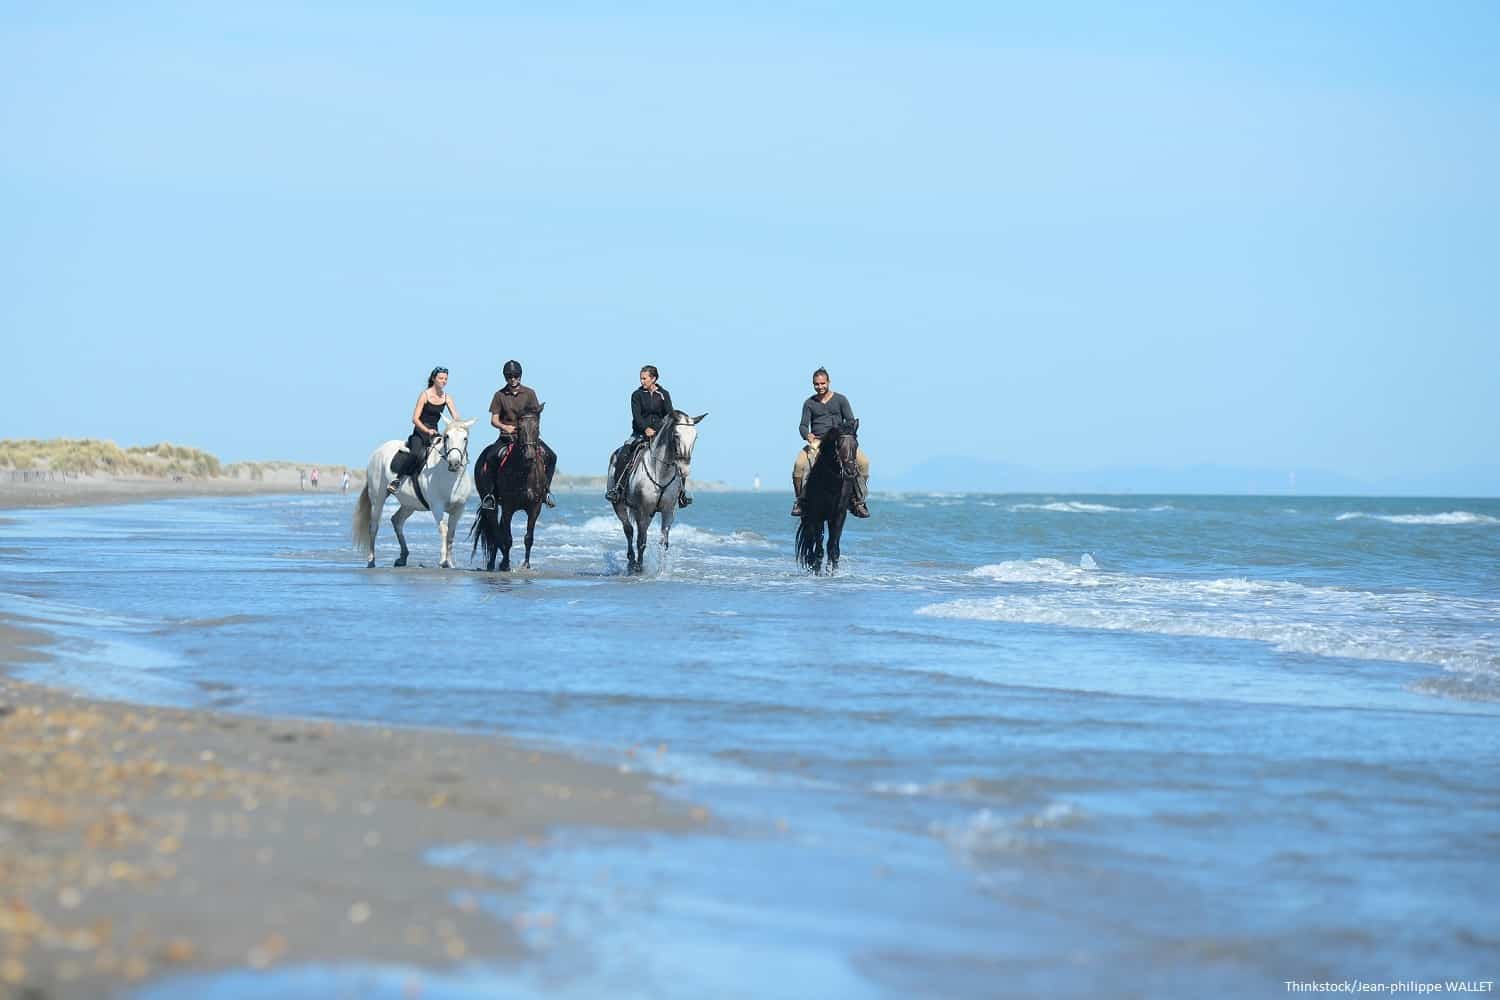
(655,482)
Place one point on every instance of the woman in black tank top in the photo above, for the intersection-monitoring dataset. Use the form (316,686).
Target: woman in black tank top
(424,419)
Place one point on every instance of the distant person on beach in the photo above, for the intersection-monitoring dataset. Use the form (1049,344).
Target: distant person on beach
(301,479)
(822,410)
(649,406)
(424,420)
(315,477)
(511,402)
(344,483)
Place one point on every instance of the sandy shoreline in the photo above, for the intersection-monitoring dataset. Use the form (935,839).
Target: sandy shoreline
(93,490)
(137,842)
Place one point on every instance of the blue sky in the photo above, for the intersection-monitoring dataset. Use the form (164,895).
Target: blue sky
(1067,237)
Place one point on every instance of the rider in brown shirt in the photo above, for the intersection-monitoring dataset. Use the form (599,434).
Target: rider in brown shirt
(511,402)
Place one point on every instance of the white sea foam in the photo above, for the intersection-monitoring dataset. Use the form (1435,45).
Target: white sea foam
(606,529)
(1080,507)
(1053,571)
(1451,517)
(1069,507)
(987,832)
(1457,634)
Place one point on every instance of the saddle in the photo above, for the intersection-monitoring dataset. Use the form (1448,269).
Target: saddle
(488,468)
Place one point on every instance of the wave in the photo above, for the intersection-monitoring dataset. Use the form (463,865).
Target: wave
(1053,571)
(1451,517)
(1070,507)
(1079,507)
(606,528)
(987,833)
(1460,635)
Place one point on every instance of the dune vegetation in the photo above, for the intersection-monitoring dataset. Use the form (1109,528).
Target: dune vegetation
(93,457)
(84,456)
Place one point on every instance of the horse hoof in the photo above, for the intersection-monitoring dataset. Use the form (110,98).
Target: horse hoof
(370,564)
(445,565)
(400,562)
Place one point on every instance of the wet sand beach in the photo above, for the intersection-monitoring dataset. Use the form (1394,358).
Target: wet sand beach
(137,842)
(92,490)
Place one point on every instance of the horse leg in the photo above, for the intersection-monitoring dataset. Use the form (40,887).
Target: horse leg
(667,517)
(398,519)
(642,527)
(377,507)
(629,529)
(506,513)
(532,513)
(450,528)
(835,533)
(489,531)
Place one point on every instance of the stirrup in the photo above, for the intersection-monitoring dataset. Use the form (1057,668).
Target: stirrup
(488,503)
(797,508)
(548,500)
(394,487)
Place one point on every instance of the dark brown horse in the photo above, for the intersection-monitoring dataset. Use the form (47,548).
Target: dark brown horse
(508,479)
(826,495)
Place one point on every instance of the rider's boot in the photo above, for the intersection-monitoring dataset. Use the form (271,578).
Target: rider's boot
(858,508)
(548,499)
(395,485)
(616,490)
(797,506)
(683,499)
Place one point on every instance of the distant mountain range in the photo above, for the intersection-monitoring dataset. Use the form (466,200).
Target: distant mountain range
(955,473)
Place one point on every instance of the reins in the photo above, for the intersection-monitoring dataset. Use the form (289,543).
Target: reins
(671,457)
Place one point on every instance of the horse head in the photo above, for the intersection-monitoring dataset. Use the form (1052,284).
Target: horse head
(529,432)
(842,441)
(453,444)
(684,434)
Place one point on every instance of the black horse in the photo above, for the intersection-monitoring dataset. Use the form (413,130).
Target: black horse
(826,495)
(511,479)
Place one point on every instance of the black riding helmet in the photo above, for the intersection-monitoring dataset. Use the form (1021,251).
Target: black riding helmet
(512,367)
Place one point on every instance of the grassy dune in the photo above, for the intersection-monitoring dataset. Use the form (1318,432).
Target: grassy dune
(90,456)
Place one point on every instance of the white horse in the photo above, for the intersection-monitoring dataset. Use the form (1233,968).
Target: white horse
(445,487)
(655,483)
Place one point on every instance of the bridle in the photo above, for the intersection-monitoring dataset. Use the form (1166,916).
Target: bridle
(848,467)
(449,449)
(672,457)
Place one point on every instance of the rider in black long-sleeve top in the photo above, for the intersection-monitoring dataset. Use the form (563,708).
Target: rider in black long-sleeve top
(649,406)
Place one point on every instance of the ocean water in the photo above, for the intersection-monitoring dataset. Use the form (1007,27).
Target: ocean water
(1139,746)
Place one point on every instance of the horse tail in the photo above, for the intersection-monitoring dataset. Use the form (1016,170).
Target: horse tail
(487,520)
(361,527)
(810,543)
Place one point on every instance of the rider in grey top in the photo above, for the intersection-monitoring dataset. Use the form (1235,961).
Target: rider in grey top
(819,416)
(823,410)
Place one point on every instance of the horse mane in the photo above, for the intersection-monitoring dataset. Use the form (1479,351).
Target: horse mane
(663,440)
